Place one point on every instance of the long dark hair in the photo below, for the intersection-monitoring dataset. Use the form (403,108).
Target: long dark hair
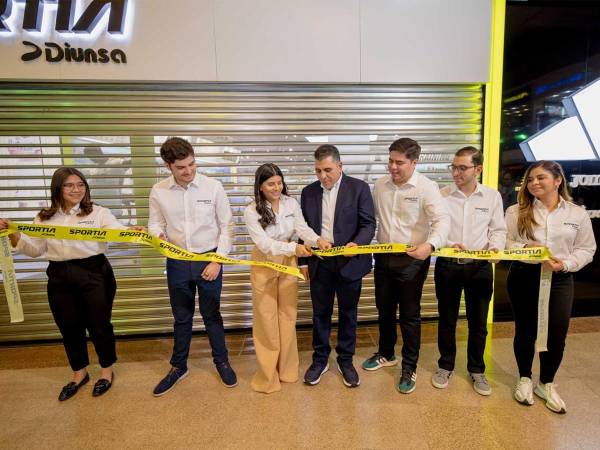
(263,173)
(56,198)
(526,221)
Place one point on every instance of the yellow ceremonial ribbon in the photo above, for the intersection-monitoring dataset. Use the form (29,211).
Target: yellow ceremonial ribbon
(9,279)
(136,237)
(535,254)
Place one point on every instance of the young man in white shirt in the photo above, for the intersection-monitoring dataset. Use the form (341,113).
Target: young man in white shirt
(193,212)
(409,210)
(477,224)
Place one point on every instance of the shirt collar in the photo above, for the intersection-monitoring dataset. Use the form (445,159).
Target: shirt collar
(173,183)
(412,181)
(562,203)
(454,189)
(73,211)
(336,186)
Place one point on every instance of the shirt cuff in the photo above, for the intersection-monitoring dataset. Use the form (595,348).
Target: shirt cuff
(290,248)
(221,252)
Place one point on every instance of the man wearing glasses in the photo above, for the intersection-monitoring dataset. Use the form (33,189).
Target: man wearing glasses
(410,210)
(477,224)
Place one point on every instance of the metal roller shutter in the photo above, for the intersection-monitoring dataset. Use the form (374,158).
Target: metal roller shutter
(113,133)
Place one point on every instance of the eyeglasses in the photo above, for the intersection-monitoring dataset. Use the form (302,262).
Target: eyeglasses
(72,186)
(461,169)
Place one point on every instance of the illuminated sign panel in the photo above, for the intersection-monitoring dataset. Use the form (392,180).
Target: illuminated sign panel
(585,104)
(574,138)
(34,29)
(65,12)
(561,141)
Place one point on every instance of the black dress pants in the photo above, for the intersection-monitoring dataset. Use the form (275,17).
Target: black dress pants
(325,286)
(81,294)
(523,290)
(399,282)
(476,279)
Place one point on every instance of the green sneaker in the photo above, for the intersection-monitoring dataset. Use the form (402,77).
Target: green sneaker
(408,381)
(377,361)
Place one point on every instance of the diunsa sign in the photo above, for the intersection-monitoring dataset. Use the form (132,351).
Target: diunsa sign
(66,23)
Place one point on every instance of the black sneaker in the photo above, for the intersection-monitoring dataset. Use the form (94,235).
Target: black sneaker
(314,372)
(228,376)
(349,375)
(174,376)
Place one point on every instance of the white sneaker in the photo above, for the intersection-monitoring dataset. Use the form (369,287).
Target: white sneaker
(440,378)
(524,391)
(553,401)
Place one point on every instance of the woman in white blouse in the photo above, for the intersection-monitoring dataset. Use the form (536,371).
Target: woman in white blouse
(81,283)
(274,220)
(545,216)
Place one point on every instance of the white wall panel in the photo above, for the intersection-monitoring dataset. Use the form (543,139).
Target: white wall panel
(288,40)
(425,41)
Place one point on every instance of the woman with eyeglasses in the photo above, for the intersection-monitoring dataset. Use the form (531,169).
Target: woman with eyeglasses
(81,284)
(545,216)
(274,220)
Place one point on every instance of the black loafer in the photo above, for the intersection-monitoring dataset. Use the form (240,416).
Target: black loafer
(102,385)
(71,389)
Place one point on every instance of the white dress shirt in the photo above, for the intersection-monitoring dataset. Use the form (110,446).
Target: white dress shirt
(477,221)
(413,213)
(566,231)
(64,249)
(328,210)
(197,218)
(289,222)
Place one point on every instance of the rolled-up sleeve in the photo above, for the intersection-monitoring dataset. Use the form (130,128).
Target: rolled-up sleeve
(584,245)
(224,221)
(157,224)
(302,229)
(497,227)
(512,232)
(437,213)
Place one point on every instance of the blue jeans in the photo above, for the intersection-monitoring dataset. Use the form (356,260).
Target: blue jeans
(183,278)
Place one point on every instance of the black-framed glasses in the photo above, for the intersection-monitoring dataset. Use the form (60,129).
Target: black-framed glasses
(461,169)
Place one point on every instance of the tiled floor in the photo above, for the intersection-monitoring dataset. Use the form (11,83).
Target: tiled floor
(201,413)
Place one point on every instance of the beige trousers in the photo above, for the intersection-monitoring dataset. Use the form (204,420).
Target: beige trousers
(274,307)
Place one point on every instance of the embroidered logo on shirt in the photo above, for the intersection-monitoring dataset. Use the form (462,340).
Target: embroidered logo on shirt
(483,210)
(412,199)
(575,226)
(205,202)
(85,222)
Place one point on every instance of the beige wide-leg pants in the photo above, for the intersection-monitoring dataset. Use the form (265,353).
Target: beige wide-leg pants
(274,307)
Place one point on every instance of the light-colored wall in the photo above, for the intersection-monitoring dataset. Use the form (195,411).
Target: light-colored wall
(349,41)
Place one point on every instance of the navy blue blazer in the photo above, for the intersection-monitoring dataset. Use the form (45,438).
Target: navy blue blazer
(354,221)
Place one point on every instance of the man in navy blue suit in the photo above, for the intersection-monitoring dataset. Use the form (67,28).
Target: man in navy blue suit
(340,209)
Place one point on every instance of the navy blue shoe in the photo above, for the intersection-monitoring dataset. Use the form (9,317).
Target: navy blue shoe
(349,375)
(174,376)
(314,372)
(228,376)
